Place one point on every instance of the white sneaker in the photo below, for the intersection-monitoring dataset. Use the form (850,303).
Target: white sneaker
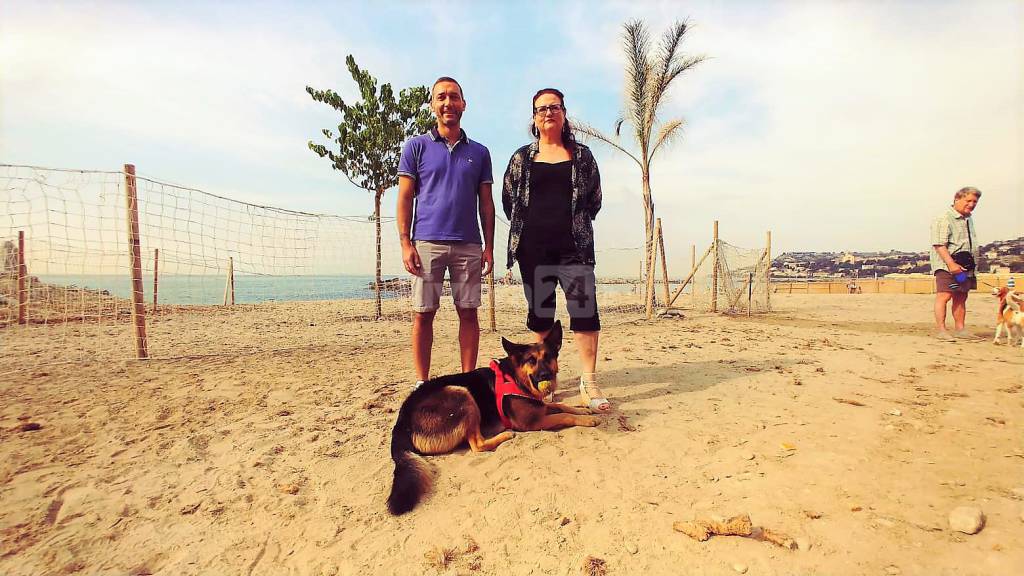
(416,385)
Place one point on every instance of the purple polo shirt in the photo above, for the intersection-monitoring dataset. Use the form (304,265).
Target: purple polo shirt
(447,186)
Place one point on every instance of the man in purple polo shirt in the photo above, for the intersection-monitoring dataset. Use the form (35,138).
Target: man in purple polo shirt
(449,176)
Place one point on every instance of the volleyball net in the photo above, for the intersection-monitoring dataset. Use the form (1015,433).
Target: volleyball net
(732,280)
(726,279)
(69,246)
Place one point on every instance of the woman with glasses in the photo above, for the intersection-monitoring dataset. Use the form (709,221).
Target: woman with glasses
(551,195)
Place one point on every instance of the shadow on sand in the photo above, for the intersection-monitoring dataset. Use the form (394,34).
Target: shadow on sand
(675,379)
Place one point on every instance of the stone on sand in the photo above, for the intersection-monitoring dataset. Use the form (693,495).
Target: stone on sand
(967,519)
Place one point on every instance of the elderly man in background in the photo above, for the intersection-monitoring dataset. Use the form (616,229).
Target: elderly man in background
(953,257)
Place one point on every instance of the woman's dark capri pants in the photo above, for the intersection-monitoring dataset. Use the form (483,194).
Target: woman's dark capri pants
(541,275)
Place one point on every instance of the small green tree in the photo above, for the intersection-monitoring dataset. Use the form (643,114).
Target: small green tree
(368,143)
(649,73)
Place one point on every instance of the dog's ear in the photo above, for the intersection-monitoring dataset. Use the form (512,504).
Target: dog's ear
(554,337)
(511,348)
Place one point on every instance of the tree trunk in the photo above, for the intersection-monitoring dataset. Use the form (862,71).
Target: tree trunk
(376,220)
(648,231)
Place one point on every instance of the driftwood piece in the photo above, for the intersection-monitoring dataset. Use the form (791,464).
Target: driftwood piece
(702,529)
(848,401)
(777,538)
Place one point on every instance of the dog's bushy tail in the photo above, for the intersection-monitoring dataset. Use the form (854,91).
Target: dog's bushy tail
(412,477)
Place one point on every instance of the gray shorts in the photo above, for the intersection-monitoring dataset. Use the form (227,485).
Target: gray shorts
(461,259)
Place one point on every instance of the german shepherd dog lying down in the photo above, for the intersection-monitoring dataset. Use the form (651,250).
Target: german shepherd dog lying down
(446,412)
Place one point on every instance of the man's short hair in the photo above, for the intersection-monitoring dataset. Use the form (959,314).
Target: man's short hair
(965,191)
(447,79)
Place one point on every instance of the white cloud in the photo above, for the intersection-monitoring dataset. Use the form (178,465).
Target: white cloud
(134,75)
(837,125)
(217,87)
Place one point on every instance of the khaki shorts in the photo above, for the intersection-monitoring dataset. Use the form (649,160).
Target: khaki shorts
(461,259)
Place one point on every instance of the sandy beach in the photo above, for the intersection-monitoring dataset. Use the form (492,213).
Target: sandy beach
(263,449)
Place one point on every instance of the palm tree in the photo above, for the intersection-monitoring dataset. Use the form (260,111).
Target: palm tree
(649,73)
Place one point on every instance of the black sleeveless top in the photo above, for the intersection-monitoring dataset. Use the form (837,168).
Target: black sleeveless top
(548,224)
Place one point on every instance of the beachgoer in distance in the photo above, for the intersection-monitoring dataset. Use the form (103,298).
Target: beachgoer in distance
(551,195)
(953,257)
(444,184)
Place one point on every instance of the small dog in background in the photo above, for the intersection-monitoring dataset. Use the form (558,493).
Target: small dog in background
(1008,315)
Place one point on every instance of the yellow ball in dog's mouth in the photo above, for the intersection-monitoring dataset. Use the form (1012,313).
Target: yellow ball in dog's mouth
(544,386)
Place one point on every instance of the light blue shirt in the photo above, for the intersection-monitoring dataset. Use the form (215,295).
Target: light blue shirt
(956,232)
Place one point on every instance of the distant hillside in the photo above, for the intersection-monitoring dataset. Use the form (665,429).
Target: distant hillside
(996,256)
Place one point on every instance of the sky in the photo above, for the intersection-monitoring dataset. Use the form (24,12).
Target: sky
(836,125)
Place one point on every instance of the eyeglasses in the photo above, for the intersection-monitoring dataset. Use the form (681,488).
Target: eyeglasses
(553,108)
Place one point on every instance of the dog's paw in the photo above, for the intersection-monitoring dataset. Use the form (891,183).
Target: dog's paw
(589,421)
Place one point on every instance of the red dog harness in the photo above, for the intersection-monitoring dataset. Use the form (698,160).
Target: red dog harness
(504,385)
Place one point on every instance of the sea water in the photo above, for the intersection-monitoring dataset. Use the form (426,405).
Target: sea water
(179,289)
(207,289)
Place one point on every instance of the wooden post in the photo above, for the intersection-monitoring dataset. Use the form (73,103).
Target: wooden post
(750,291)
(768,272)
(490,298)
(135,249)
(693,271)
(229,283)
(22,278)
(664,267)
(714,270)
(156,276)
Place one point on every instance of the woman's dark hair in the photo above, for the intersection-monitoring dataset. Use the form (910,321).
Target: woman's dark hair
(568,139)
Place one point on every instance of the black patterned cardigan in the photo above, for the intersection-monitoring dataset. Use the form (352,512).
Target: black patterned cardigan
(586,197)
